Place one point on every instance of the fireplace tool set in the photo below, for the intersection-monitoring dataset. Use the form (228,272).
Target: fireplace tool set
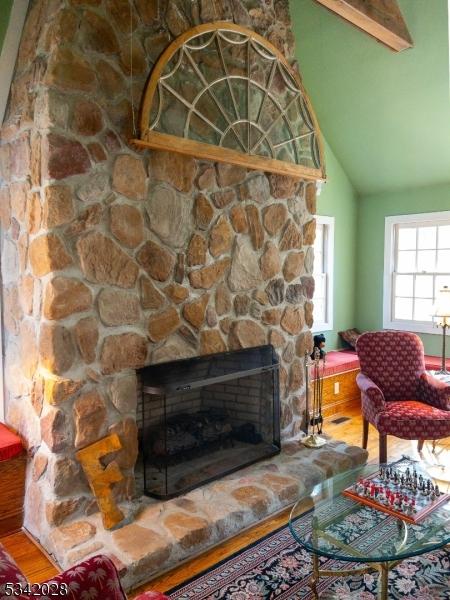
(314,418)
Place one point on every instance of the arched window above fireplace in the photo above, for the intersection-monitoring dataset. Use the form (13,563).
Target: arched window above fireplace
(224,93)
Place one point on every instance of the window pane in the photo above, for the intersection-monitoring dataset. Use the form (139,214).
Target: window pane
(424,286)
(427,237)
(404,285)
(406,262)
(443,261)
(403,308)
(319,288)
(406,238)
(318,241)
(318,262)
(426,260)
(423,309)
(440,281)
(319,250)
(444,236)
(319,310)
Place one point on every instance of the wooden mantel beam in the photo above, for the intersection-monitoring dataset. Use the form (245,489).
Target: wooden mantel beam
(381,19)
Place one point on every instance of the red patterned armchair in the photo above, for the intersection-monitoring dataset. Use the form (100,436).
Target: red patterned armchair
(94,579)
(398,397)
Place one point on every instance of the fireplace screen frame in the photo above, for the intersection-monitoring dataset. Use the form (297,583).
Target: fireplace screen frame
(155,383)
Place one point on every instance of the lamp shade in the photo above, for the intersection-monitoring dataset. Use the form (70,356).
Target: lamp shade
(442,306)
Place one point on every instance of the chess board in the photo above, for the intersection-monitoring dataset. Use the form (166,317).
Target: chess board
(397,497)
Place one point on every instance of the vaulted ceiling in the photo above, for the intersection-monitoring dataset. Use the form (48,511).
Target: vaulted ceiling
(386,115)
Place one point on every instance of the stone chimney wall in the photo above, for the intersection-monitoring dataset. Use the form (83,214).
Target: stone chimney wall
(113,258)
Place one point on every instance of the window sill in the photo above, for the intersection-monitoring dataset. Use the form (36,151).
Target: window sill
(321,327)
(414,326)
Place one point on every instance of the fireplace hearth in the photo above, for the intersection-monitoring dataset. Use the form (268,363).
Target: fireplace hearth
(205,417)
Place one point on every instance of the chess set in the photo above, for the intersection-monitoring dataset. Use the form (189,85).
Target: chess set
(407,494)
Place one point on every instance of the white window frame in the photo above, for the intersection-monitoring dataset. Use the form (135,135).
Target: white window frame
(421,219)
(8,56)
(329,270)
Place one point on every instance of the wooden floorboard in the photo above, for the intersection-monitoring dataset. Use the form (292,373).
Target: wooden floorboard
(29,557)
(37,567)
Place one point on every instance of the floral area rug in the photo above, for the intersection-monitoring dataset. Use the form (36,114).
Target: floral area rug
(277,568)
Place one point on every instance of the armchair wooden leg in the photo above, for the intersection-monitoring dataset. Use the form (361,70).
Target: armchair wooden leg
(365,433)
(383,449)
(420,445)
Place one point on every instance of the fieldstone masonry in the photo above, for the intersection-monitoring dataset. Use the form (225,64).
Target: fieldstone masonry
(114,258)
(162,534)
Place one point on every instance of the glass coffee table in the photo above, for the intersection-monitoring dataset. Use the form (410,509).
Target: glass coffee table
(330,524)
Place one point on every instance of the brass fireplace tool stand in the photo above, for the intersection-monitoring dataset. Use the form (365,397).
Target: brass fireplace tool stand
(314,417)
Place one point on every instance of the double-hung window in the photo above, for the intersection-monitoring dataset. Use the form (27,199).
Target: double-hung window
(416,267)
(323,274)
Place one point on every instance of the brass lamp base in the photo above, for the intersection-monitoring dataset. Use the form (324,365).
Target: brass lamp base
(314,441)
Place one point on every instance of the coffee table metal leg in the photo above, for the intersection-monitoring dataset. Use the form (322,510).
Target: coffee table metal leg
(315,576)
(382,568)
(383,582)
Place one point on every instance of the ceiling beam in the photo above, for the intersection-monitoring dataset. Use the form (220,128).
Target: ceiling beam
(382,19)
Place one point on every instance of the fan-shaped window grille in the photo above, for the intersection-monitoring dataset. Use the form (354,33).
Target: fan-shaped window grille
(223,92)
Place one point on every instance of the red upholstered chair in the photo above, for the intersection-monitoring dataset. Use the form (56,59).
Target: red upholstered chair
(95,578)
(398,397)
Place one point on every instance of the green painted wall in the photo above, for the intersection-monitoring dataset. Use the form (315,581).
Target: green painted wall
(338,200)
(387,117)
(385,114)
(370,256)
(5,11)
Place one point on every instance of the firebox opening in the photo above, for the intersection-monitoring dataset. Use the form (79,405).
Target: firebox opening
(205,417)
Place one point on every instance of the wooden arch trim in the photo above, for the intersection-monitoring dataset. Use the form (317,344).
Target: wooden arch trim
(150,137)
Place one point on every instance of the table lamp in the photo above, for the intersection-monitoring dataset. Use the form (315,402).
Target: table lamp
(441,310)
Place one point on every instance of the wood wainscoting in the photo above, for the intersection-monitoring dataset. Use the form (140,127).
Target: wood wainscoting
(12,485)
(347,398)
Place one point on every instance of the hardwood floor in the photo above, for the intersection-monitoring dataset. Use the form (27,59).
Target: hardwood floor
(349,431)
(12,476)
(437,459)
(29,557)
(37,567)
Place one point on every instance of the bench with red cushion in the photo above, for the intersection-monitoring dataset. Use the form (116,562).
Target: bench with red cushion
(10,444)
(433,363)
(341,361)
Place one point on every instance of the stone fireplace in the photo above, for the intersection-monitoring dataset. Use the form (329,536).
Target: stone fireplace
(113,259)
